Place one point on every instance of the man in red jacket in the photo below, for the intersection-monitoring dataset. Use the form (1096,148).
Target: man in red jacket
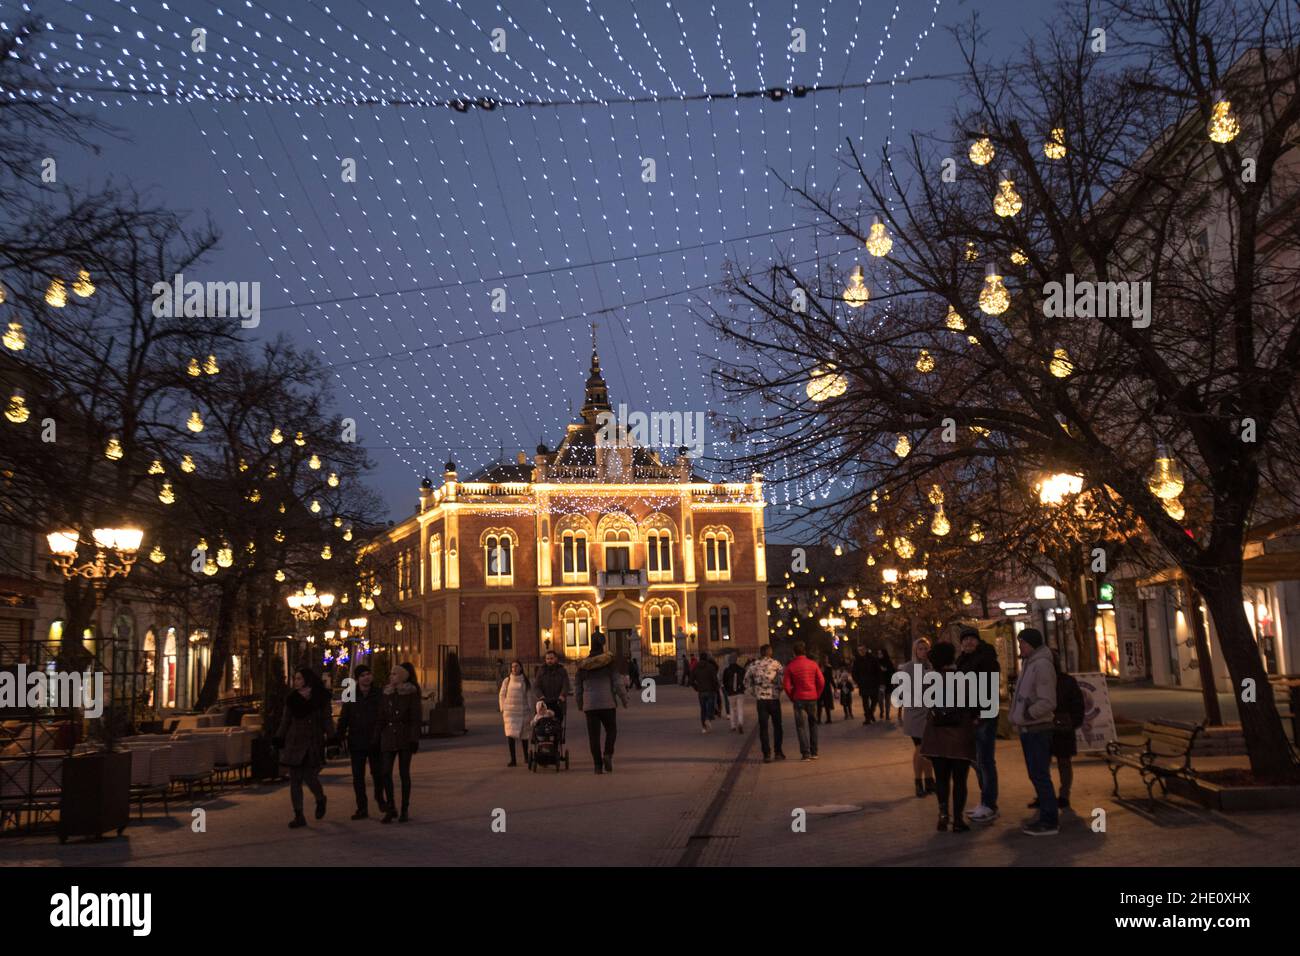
(803,684)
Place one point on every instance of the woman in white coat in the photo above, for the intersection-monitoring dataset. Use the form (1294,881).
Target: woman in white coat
(912,719)
(514,701)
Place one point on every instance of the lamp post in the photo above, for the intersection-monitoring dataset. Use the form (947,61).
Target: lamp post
(307,606)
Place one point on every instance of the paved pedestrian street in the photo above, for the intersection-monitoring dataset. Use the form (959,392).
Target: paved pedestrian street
(677,797)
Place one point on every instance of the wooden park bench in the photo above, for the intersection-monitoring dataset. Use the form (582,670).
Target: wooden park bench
(1165,752)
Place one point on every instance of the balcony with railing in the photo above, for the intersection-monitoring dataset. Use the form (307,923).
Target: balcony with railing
(625,580)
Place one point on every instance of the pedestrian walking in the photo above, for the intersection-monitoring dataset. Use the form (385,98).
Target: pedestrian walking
(1067,719)
(306,724)
(359,730)
(733,685)
(634,675)
(599,689)
(399,735)
(980,657)
(844,685)
(763,679)
(553,685)
(515,701)
(913,719)
(1033,713)
(826,702)
(885,689)
(705,681)
(866,674)
(803,684)
(949,744)
(685,671)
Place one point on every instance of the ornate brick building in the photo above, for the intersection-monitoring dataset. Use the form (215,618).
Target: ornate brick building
(538,554)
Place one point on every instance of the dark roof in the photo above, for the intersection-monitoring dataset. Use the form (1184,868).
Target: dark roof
(503,472)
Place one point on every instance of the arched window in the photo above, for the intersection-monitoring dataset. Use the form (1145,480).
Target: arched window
(577,627)
(719,623)
(659,555)
(661,627)
(500,631)
(618,549)
(573,550)
(717,554)
(435,562)
(498,557)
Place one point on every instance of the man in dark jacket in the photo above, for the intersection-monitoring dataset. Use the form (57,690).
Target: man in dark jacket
(599,687)
(980,657)
(552,684)
(866,674)
(704,678)
(733,685)
(359,729)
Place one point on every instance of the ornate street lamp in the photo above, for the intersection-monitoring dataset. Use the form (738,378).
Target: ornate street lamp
(115,553)
(307,605)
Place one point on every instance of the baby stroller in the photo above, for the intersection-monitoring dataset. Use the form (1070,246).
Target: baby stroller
(548,743)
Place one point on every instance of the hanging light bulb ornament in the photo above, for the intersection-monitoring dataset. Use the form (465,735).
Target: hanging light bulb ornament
(195,422)
(113,451)
(940,526)
(1054,146)
(210,367)
(326,553)
(856,293)
(313,462)
(982,151)
(966,597)
(1223,126)
(56,295)
(826,383)
(955,321)
(187,464)
(83,287)
(1174,508)
(976,533)
(299,440)
(15,339)
(1061,366)
(1166,479)
(878,241)
(1018,258)
(925,362)
(276,436)
(166,494)
(994,297)
(225,555)
(194,368)
(1007,202)
(17,411)
(333,480)
(157,555)
(903,447)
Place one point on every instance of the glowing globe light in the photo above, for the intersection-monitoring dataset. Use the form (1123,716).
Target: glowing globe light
(976,534)
(889,575)
(1054,146)
(15,339)
(1054,489)
(195,422)
(113,451)
(194,369)
(856,293)
(955,321)
(1223,126)
(878,241)
(903,547)
(156,468)
(826,383)
(56,295)
(276,436)
(966,597)
(157,555)
(333,480)
(981,151)
(940,526)
(17,411)
(1166,480)
(1018,258)
(166,494)
(313,462)
(1061,366)
(1007,202)
(187,464)
(994,298)
(326,553)
(903,447)
(1174,508)
(210,367)
(225,555)
(210,567)
(83,287)
(925,362)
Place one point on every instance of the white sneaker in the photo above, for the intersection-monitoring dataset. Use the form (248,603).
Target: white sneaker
(982,814)
(704,730)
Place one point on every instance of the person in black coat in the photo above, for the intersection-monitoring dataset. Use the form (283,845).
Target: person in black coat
(306,725)
(359,730)
(866,675)
(887,669)
(826,702)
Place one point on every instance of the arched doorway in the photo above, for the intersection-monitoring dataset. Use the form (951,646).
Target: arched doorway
(621,632)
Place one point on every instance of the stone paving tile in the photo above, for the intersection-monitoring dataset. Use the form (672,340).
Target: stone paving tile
(666,776)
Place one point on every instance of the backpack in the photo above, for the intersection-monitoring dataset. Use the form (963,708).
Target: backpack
(1069,704)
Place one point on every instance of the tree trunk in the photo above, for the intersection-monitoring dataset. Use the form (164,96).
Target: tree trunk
(1209,692)
(1266,742)
(220,648)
